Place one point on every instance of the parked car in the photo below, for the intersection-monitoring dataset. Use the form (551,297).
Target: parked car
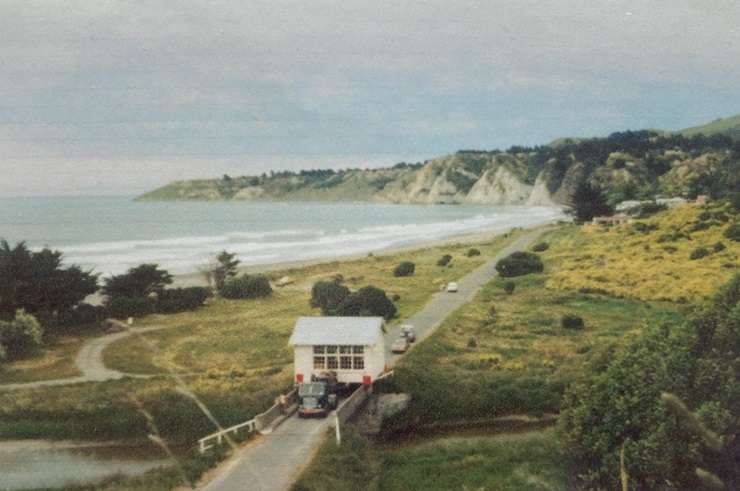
(400,345)
(407,331)
(452,287)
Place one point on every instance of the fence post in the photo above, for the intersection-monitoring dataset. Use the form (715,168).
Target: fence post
(336,427)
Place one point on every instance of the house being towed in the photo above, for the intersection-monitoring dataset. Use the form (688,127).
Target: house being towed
(353,347)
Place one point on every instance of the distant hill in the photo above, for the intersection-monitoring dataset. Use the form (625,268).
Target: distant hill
(627,165)
(722,126)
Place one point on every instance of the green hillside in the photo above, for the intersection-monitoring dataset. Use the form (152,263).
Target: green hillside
(721,126)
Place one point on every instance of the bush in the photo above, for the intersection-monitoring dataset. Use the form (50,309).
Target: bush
(328,295)
(719,247)
(367,301)
(570,321)
(246,286)
(83,314)
(509,287)
(21,336)
(519,263)
(699,253)
(542,246)
(648,209)
(406,268)
(444,260)
(124,307)
(473,252)
(472,343)
(182,299)
(643,227)
(733,232)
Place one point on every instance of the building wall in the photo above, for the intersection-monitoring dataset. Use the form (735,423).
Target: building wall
(374,357)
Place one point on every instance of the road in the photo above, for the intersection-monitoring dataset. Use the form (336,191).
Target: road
(274,462)
(90,362)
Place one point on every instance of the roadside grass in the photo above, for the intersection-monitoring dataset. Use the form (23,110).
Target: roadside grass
(55,359)
(508,353)
(513,462)
(243,336)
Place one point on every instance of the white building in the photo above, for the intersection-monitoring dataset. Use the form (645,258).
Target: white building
(353,347)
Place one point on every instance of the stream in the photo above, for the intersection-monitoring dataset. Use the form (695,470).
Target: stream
(29,464)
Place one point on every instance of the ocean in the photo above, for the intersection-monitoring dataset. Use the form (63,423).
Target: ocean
(111,234)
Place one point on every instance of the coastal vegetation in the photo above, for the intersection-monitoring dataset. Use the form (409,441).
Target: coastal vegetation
(605,171)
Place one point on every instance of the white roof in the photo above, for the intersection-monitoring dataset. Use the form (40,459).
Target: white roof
(336,330)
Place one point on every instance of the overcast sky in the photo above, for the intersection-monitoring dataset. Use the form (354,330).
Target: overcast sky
(116,97)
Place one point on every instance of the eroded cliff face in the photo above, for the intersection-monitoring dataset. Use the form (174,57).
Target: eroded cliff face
(499,187)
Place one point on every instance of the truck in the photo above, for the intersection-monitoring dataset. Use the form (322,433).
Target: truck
(319,396)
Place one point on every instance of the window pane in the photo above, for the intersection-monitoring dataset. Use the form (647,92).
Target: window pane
(359,363)
(319,362)
(318,350)
(358,350)
(345,350)
(331,349)
(345,362)
(331,362)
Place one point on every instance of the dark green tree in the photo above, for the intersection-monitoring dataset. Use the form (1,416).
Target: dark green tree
(588,201)
(138,282)
(367,301)
(38,283)
(226,268)
(328,295)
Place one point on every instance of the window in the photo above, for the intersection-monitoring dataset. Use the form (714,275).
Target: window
(345,362)
(319,362)
(331,349)
(358,350)
(319,350)
(345,350)
(331,362)
(359,363)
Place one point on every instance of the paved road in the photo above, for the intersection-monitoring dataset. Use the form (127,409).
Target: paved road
(274,462)
(90,362)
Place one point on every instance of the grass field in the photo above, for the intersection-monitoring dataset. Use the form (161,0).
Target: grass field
(233,355)
(511,462)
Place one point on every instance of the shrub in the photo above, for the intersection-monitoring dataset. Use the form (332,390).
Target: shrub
(643,227)
(406,268)
(719,247)
(519,263)
(246,286)
(509,287)
(367,301)
(542,246)
(124,307)
(137,282)
(328,295)
(699,253)
(21,336)
(472,343)
(733,232)
(648,209)
(83,314)
(570,321)
(444,260)
(473,252)
(700,226)
(182,299)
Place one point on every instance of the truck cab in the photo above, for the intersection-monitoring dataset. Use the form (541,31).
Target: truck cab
(317,397)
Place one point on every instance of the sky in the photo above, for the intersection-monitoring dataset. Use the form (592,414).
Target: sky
(119,97)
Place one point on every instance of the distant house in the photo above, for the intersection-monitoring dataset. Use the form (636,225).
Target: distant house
(353,347)
(671,202)
(617,219)
(633,204)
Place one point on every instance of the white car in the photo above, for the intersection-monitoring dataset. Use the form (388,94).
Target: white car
(452,287)
(407,331)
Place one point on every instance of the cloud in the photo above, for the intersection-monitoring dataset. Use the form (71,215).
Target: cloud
(110,83)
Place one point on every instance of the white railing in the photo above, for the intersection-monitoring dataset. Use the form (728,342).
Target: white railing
(219,436)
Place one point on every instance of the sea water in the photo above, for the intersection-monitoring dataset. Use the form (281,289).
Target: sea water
(111,234)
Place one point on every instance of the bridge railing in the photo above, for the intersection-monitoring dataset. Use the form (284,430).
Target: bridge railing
(257,423)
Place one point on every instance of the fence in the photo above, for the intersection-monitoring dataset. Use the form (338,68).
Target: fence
(257,423)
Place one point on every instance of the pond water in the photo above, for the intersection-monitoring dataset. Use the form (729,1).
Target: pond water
(28,464)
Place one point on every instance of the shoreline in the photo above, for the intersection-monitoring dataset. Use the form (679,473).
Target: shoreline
(197,279)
